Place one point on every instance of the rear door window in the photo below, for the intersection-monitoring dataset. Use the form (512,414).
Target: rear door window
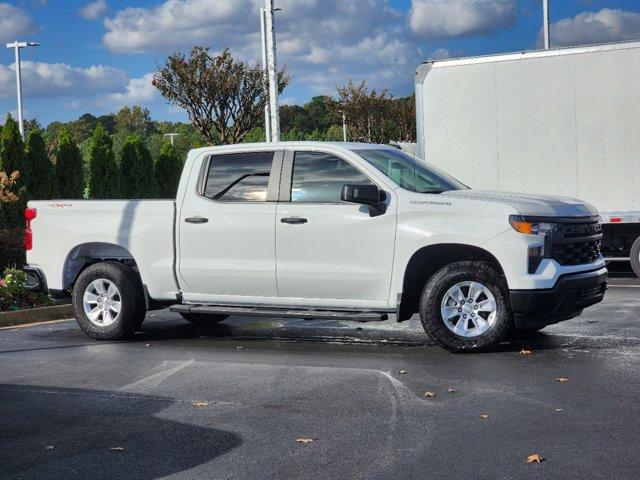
(239,177)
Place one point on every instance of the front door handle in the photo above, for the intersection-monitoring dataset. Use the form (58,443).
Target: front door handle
(196,220)
(294,220)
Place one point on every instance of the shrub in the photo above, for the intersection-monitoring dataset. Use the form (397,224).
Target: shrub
(13,295)
(12,148)
(39,173)
(104,175)
(136,164)
(168,170)
(69,168)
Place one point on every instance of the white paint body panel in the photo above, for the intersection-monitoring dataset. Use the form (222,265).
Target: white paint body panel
(341,258)
(562,122)
(142,227)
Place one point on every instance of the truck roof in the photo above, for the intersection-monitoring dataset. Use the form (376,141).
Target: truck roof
(264,145)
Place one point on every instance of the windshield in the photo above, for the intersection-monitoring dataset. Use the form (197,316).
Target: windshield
(409,172)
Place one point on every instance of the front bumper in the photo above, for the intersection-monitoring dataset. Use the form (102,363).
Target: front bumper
(571,294)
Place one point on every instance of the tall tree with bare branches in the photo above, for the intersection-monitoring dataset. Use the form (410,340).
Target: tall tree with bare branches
(223,97)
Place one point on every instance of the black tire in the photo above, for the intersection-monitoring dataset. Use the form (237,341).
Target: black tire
(203,318)
(635,257)
(133,308)
(437,287)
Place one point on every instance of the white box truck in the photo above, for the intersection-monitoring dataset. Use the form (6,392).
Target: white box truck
(562,122)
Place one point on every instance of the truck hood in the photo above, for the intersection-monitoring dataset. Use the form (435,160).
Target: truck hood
(530,204)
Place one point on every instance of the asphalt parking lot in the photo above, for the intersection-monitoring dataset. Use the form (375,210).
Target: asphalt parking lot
(236,400)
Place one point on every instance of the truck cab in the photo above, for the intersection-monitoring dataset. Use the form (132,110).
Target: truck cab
(324,230)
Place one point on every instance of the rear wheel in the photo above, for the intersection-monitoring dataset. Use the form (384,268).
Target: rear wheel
(108,301)
(464,307)
(203,319)
(635,257)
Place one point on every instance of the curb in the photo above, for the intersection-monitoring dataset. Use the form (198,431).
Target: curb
(35,315)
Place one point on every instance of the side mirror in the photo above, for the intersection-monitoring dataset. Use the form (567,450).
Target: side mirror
(369,195)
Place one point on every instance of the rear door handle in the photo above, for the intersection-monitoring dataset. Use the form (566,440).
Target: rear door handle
(294,220)
(196,220)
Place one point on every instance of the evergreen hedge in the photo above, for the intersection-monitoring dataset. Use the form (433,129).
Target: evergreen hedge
(168,171)
(69,168)
(136,165)
(39,173)
(104,176)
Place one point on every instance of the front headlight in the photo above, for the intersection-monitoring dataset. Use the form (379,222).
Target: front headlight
(529,227)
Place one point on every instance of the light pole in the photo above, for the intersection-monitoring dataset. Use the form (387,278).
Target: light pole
(545,15)
(17,46)
(344,126)
(270,31)
(171,136)
(267,109)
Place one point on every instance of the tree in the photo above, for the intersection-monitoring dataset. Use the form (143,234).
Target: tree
(168,171)
(403,114)
(134,120)
(367,112)
(12,148)
(104,175)
(69,168)
(38,174)
(224,97)
(136,165)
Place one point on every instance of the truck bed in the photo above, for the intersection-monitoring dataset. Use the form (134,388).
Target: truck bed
(65,231)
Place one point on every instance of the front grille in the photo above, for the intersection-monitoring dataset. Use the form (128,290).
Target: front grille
(576,243)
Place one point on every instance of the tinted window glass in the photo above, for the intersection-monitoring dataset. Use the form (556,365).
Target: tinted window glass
(240,177)
(319,177)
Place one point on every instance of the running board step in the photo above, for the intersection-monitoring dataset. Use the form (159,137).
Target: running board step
(282,312)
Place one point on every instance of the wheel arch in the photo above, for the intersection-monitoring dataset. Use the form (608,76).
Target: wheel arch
(427,261)
(83,255)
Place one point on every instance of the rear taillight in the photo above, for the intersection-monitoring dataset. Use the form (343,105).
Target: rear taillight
(29,214)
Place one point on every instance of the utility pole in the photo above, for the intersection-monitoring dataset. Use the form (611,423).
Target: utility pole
(267,109)
(17,46)
(272,69)
(171,136)
(344,126)
(545,15)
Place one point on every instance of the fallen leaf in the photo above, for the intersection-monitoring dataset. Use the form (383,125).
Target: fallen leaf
(147,344)
(401,372)
(200,404)
(534,458)
(429,394)
(561,379)
(525,352)
(559,409)
(451,390)
(304,440)
(49,447)
(117,449)
(484,415)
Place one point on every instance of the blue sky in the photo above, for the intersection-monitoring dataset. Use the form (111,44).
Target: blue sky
(97,56)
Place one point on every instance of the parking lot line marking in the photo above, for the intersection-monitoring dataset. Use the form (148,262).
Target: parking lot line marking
(27,325)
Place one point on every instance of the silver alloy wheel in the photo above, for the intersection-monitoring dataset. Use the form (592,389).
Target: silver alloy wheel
(102,302)
(468,309)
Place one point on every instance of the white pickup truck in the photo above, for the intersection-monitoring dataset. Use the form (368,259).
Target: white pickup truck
(322,230)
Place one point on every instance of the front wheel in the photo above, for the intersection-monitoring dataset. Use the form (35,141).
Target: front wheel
(465,307)
(108,301)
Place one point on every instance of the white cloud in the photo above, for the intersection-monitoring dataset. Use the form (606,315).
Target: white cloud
(139,91)
(431,19)
(607,25)
(14,22)
(322,42)
(93,10)
(59,80)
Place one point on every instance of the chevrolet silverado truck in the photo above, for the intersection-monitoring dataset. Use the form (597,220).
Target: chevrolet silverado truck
(343,231)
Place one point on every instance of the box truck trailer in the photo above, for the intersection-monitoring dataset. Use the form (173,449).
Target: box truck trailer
(563,122)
